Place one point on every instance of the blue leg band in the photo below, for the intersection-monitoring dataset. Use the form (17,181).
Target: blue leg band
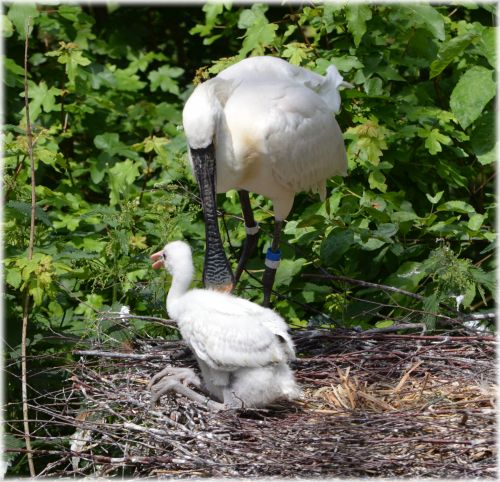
(273,258)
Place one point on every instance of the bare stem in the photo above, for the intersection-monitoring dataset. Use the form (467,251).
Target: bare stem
(24,381)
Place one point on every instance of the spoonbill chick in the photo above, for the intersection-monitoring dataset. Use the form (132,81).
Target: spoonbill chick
(266,126)
(242,348)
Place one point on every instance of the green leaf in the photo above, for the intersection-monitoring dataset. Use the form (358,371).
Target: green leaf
(42,98)
(357,15)
(163,78)
(386,231)
(471,94)
(7,27)
(93,302)
(70,55)
(457,206)
(374,86)
(371,244)
(37,293)
(212,11)
(49,157)
(407,276)
(369,141)
(68,221)
(122,175)
(13,277)
(450,51)
(344,64)
(94,245)
(249,17)
(376,180)
(55,310)
(126,81)
(335,246)
(434,199)
(14,74)
(259,32)
(403,216)
(483,138)
(69,12)
(487,45)
(427,17)
(110,143)
(384,323)
(434,139)
(25,209)
(431,305)
(314,220)
(287,269)
(19,14)
(475,222)
(295,52)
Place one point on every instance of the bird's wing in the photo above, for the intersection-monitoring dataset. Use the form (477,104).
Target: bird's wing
(290,127)
(276,325)
(271,69)
(320,153)
(265,68)
(228,332)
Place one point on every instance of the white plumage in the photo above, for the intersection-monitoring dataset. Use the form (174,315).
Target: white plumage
(270,126)
(242,349)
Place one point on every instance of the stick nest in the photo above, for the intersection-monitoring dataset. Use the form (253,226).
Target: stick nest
(380,405)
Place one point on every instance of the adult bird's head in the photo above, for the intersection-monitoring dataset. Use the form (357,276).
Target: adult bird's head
(202,111)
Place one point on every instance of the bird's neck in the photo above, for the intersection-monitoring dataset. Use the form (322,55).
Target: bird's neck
(181,279)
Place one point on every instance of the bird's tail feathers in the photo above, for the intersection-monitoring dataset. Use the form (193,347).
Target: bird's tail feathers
(329,91)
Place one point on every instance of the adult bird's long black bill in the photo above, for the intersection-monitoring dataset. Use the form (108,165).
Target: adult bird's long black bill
(217,273)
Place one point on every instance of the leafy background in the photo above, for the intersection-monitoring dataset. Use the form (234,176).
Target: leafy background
(106,89)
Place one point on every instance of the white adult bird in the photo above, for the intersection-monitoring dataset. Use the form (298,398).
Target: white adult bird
(266,126)
(242,349)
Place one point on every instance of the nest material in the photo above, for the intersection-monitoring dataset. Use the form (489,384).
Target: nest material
(385,405)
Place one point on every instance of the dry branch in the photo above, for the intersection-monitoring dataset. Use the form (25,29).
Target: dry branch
(24,333)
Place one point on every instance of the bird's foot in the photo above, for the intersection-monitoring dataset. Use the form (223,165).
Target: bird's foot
(179,374)
(176,379)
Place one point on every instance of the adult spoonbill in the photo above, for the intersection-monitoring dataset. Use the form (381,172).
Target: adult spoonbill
(266,126)
(242,349)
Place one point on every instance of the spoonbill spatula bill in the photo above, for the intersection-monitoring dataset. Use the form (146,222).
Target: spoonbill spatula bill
(264,126)
(242,349)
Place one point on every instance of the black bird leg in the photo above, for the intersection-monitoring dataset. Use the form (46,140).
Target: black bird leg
(252,229)
(273,256)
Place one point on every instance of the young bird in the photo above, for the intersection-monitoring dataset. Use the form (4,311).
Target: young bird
(242,349)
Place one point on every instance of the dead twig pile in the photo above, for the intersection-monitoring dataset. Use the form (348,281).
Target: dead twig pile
(374,405)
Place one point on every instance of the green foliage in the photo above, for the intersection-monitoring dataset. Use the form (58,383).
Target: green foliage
(452,280)
(106,91)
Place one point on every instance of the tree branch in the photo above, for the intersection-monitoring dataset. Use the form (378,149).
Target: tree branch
(116,354)
(24,371)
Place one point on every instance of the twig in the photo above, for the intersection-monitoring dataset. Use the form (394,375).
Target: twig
(366,284)
(400,326)
(480,316)
(24,370)
(103,459)
(115,354)
(113,315)
(17,170)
